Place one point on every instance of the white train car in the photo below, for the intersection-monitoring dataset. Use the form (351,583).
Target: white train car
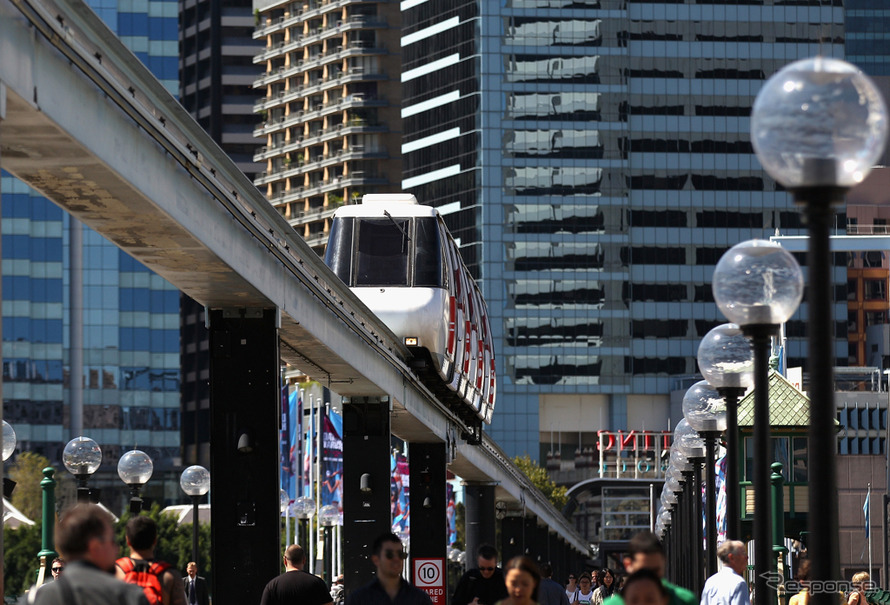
(398,257)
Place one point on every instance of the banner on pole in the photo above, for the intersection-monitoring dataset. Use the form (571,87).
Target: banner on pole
(332,461)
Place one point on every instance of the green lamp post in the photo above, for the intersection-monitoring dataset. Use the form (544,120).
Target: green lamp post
(47,554)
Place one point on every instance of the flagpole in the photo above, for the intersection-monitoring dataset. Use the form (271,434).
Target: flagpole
(867,528)
(309,441)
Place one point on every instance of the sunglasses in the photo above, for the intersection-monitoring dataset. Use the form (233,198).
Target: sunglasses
(571,577)
(392,554)
(57,569)
(486,569)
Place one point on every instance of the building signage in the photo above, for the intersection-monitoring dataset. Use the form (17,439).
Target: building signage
(429,576)
(633,454)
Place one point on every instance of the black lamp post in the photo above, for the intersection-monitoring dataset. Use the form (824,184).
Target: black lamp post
(82,457)
(692,446)
(726,361)
(195,482)
(758,286)
(817,127)
(304,509)
(135,469)
(704,410)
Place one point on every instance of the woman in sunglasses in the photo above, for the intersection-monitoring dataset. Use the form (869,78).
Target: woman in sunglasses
(572,588)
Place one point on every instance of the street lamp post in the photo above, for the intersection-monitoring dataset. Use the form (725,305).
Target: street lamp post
(693,447)
(304,509)
(47,553)
(82,457)
(195,482)
(327,518)
(758,286)
(726,361)
(284,506)
(817,127)
(9,442)
(705,411)
(135,469)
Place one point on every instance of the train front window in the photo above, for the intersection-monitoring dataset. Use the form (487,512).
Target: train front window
(383,246)
(338,254)
(427,254)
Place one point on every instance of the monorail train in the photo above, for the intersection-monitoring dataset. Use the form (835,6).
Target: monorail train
(398,257)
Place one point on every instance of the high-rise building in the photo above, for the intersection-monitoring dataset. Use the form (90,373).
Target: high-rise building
(216,74)
(593,157)
(868,34)
(329,78)
(90,336)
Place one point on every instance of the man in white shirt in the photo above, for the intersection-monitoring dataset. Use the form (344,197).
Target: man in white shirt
(728,586)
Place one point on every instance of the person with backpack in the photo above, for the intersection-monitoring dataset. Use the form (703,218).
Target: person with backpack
(159,581)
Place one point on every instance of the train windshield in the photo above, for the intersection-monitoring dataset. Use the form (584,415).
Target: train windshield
(386,251)
(383,246)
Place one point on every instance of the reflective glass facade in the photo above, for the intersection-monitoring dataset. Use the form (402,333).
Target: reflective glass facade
(593,158)
(130,317)
(868,35)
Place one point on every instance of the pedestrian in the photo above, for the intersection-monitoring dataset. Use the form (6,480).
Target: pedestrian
(645,587)
(645,552)
(595,580)
(338,596)
(194,586)
(606,589)
(584,596)
(572,588)
(158,579)
(388,587)
(803,577)
(522,581)
(483,585)
(85,538)
(728,586)
(550,592)
(860,580)
(296,585)
(57,567)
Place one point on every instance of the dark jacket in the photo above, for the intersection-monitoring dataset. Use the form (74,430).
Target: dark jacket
(473,585)
(200,590)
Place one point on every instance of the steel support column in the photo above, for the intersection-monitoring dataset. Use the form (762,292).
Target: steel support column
(366,476)
(426,462)
(479,502)
(244,461)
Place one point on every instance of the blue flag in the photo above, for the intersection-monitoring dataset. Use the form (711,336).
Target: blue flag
(865,510)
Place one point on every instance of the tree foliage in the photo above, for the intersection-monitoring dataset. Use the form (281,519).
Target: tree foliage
(27,472)
(20,563)
(174,541)
(20,548)
(558,495)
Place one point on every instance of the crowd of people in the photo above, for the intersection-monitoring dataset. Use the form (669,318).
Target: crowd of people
(91,573)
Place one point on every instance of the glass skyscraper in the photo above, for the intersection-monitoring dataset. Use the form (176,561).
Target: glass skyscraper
(61,280)
(593,158)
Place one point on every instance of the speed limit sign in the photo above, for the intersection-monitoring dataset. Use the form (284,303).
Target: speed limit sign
(429,575)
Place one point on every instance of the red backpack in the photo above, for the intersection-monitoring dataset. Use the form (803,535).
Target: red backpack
(146,574)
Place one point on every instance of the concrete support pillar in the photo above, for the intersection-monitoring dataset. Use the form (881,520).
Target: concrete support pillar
(245,391)
(532,538)
(511,538)
(479,502)
(427,500)
(366,476)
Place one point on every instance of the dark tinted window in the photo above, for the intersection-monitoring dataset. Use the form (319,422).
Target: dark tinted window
(427,259)
(338,255)
(382,258)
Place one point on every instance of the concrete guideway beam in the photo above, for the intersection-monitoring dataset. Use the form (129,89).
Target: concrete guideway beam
(93,130)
